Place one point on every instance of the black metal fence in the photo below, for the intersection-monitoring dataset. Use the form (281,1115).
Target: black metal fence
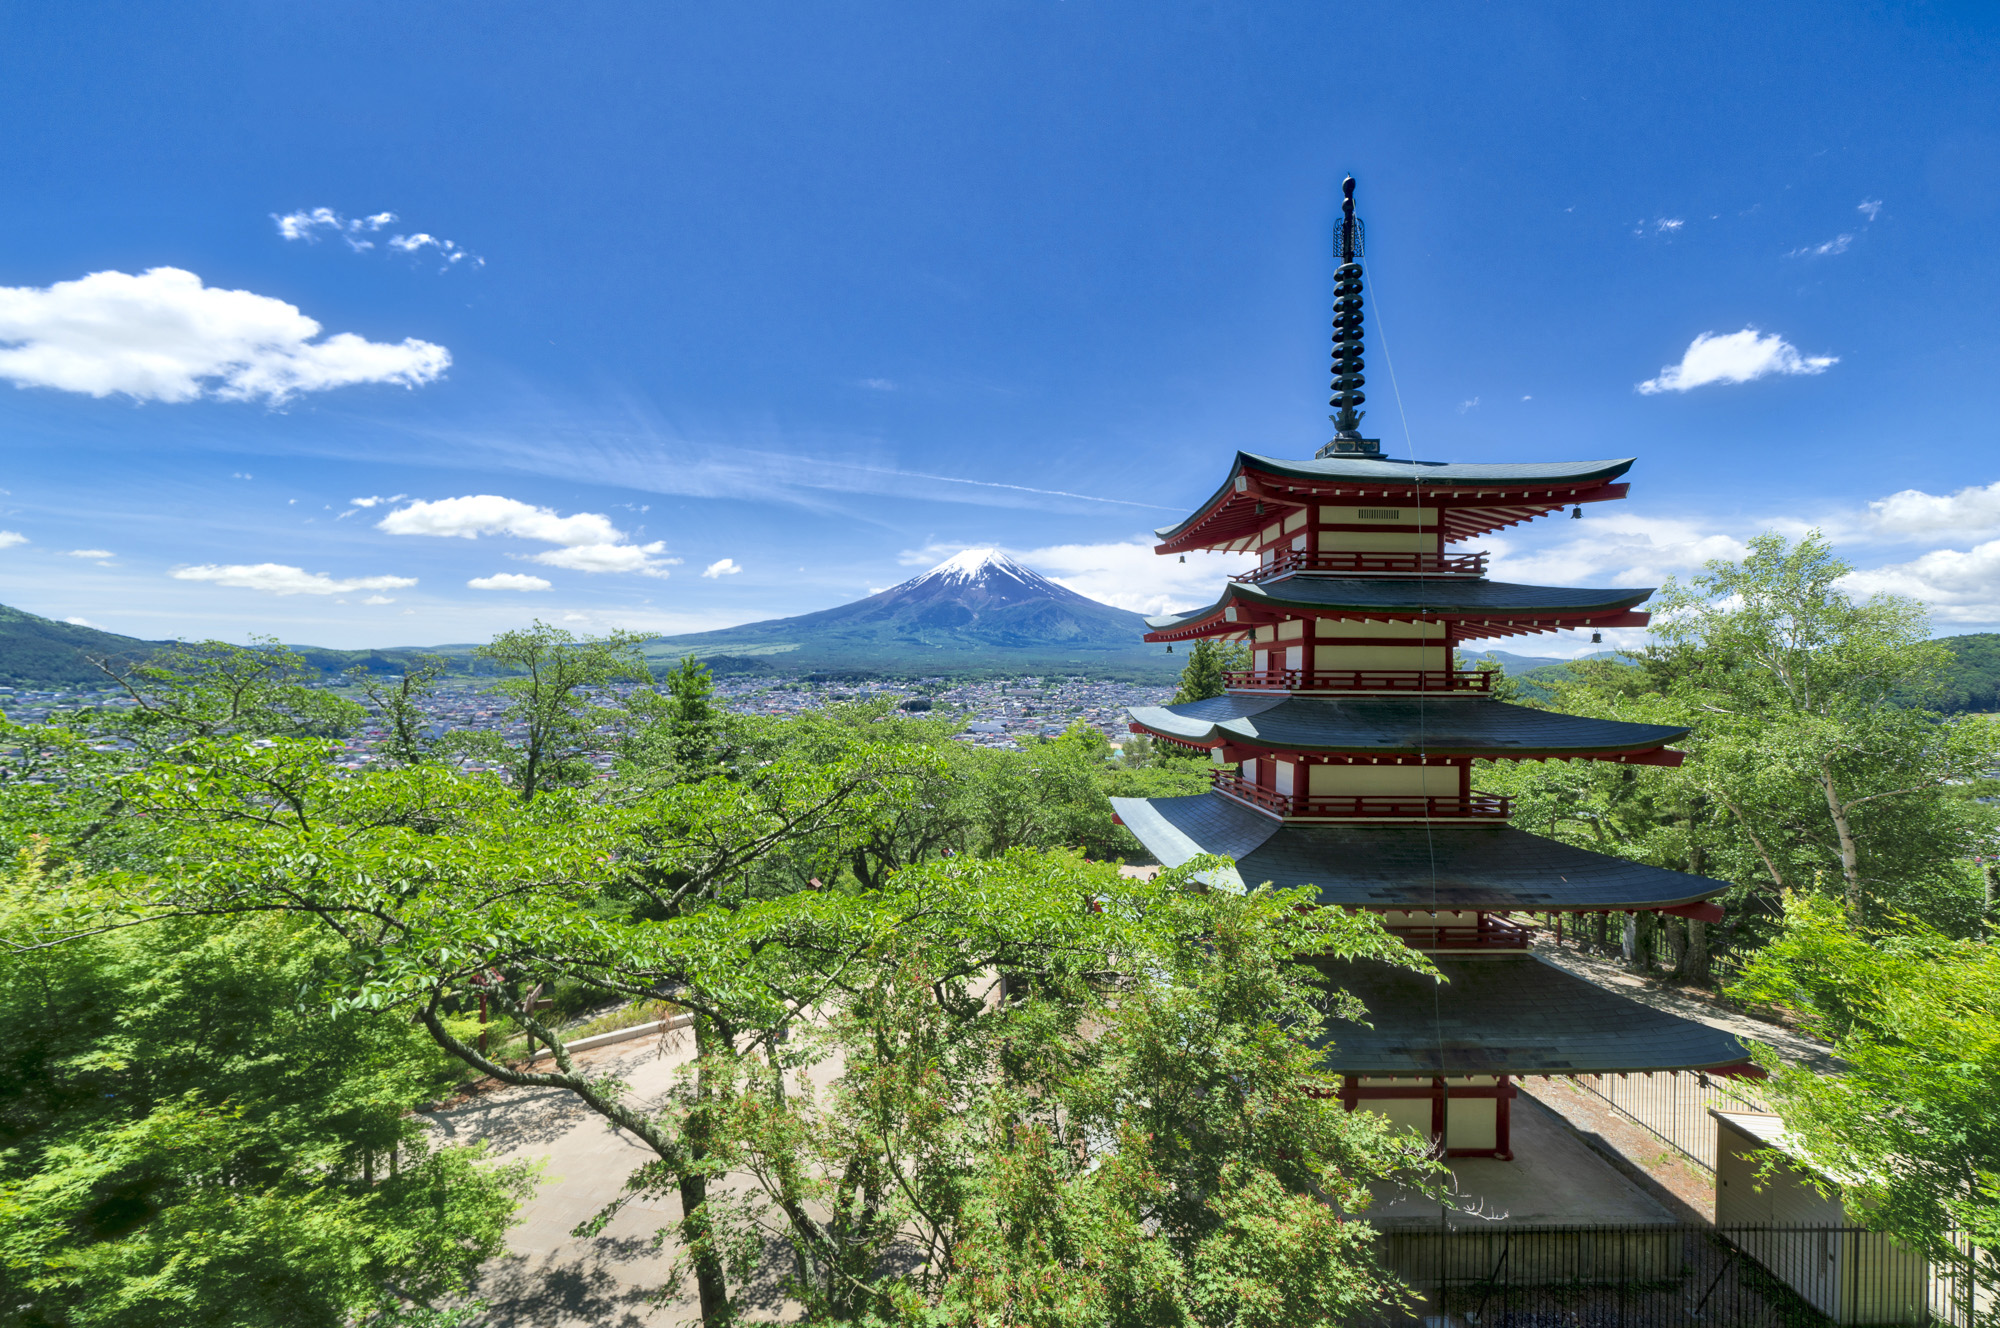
(1674,1106)
(1492,1276)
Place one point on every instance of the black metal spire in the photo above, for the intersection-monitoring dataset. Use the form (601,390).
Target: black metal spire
(1347,362)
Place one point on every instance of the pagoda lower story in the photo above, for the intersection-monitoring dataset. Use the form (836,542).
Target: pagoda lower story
(1344,756)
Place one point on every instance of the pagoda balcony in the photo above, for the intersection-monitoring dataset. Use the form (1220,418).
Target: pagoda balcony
(1359,680)
(1489,933)
(1367,563)
(1373,806)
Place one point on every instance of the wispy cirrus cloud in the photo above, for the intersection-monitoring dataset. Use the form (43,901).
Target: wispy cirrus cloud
(164,336)
(310,224)
(1837,245)
(1735,357)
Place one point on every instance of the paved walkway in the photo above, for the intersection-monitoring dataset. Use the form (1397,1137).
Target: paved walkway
(551,1279)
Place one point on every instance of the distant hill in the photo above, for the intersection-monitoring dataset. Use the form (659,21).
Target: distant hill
(1975,683)
(977,612)
(980,613)
(41,652)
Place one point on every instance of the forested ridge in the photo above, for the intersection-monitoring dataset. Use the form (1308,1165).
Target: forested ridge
(233,971)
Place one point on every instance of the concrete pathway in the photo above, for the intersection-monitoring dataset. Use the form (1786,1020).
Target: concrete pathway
(551,1279)
(1554,1179)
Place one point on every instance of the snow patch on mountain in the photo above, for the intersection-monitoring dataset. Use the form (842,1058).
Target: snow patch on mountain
(978,567)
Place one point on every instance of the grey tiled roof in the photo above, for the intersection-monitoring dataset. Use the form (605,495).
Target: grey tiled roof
(1513,1014)
(1450,725)
(1443,472)
(1440,473)
(1499,599)
(1373,865)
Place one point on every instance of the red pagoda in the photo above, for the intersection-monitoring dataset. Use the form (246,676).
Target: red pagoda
(1344,760)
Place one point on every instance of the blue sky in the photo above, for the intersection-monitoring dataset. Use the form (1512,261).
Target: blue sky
(810,296)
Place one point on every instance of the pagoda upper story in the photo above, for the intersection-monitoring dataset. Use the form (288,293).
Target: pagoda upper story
(1344,755)
(1354,708)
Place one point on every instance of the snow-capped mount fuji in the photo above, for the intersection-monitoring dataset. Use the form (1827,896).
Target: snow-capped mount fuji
(977,611)
(984,576)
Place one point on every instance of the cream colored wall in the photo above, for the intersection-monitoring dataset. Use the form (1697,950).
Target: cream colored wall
(1433,658)
(1471,1122)
(1377,541)
(1410,1113)
(1291,631)
(1335,781)
(1370,627)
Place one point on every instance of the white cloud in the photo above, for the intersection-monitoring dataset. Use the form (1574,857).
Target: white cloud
(1737,357)
(306,224)
(508,581)
(82,622)
(642,558)
(90,553)
(1837,245)
(1608,548)
(9,538)
(590,542)
(377,500)
(379,599)
(1464,406)
(163,336)
(1959,586)
(1667,225)
(1913,514)
(489,514)
(448,251)
(278,579)
(1869,207)
(721,568)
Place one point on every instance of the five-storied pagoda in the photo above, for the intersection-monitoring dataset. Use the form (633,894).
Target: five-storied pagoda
(1353,735)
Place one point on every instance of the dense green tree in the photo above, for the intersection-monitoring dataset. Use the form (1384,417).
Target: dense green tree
(1207,661)
(1129,1127)
(402,706)
(555,712)
(1813,763)
(1805,695)
(1906,1129)
(188,1137)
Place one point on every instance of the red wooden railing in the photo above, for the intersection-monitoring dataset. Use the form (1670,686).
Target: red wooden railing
(1360,680)
(1490,933)
(1359,563)
(1369,805)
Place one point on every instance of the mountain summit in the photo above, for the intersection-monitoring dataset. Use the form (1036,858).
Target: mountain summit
(978,610)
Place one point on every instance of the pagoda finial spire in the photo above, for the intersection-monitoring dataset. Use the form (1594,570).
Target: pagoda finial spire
(1347,364)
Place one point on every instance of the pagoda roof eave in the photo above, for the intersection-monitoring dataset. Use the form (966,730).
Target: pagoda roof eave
(1503,607)
(1413,867)
(1397,725)
(1515,1014)
(1535,488)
